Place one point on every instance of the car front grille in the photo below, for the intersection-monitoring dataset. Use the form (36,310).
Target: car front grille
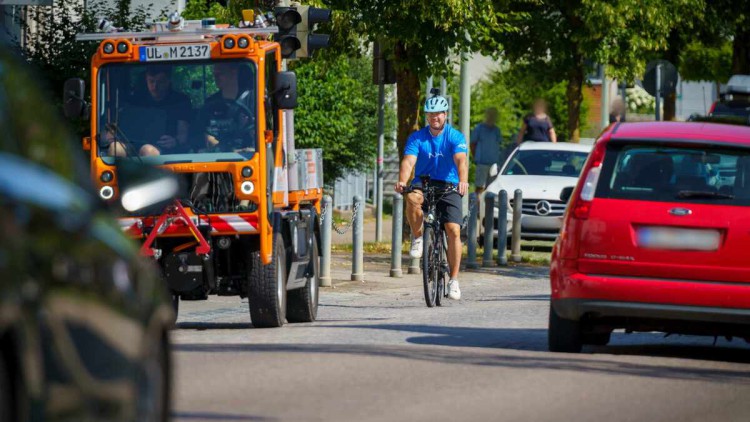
(542,207)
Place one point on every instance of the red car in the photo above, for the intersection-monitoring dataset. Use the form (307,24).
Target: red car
(656,236)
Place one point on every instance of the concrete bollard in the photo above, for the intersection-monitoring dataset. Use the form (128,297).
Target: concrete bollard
(515,242)
(489,220)
(502,228)
(358,242)
(472,232)
(326,227)
(398,222)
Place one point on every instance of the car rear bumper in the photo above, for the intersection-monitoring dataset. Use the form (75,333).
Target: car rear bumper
(602,296)
(575,309)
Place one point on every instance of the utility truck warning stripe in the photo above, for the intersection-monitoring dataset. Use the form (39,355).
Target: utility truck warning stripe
(222,223)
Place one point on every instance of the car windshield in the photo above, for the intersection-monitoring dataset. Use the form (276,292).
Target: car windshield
(192,111)
(700,174)
(536,162)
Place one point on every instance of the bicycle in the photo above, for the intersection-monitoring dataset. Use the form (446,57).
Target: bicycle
(435,270)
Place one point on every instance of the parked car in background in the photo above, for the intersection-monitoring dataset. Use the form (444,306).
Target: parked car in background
(83,320)
(735,101)
(541,170)
(655,237)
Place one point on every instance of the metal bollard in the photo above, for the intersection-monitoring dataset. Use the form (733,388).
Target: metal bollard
(358,241)
(502,228)
(398,222)
(515,242)
(325,240)
(472,232)
(489,220)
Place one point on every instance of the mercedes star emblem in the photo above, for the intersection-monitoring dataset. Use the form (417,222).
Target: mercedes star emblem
(543,208)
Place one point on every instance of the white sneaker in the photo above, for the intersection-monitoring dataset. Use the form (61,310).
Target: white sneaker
(416,248)
(454,292)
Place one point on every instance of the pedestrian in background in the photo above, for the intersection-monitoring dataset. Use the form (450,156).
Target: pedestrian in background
(486,139)
(537,126)
(617,113)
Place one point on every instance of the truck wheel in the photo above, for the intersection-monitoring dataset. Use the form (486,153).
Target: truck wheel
(6,395)
(266,287)
(303,303)
(564,335)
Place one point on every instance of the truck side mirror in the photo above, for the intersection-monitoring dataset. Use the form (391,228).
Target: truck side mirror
(285,93)
(566,193)
(74,106)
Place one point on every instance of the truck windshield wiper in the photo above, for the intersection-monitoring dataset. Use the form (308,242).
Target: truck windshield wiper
(703,194)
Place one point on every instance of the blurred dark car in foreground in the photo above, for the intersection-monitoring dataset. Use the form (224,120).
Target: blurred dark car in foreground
(655,236)
(83,320)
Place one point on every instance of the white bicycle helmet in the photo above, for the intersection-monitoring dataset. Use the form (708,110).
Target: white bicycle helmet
(435,104)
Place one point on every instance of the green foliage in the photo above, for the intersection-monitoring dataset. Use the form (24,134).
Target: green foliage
(337,111)
(512,90)
(701,62)
(432,33)
(50,36)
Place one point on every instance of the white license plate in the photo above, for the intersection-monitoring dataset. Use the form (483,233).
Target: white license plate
(174,52)
(678,239)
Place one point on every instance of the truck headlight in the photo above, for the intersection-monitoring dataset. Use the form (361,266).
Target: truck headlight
(247,187)
(106,192)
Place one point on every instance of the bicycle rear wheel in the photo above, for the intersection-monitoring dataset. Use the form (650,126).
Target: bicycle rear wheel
(430,266)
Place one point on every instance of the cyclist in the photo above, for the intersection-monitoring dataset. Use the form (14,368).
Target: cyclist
(438,151)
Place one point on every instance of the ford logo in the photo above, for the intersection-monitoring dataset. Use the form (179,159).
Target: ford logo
(680,212)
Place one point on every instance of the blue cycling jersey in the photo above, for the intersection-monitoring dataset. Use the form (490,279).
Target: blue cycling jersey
(435,153)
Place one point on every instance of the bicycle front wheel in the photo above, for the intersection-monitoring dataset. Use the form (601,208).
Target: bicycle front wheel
(430,266)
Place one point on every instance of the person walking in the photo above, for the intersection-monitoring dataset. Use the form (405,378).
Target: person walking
(486,139)
(537,126)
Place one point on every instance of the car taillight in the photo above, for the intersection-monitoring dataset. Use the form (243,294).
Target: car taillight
(713,107)
(582,205)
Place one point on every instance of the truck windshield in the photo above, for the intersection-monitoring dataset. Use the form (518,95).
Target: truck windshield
(189,111)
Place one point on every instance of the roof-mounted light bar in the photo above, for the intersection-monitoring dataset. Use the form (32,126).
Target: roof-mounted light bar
(176,35)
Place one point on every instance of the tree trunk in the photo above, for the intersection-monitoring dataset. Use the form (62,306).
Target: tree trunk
(408,92)
(670,107)
(741,52)
(574,94)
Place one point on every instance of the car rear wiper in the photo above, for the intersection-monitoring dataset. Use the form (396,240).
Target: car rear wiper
(703,194)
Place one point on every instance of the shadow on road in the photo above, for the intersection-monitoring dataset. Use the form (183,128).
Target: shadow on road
(210,416)
(561,362)
(214,325)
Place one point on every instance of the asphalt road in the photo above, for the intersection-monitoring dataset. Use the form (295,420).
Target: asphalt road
(377,353)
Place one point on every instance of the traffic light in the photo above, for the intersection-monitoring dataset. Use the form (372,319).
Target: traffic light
(308,40)
(287,20)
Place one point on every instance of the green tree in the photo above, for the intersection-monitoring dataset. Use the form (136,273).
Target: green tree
(50,34)
(512,90)
(562,36)
(422,38)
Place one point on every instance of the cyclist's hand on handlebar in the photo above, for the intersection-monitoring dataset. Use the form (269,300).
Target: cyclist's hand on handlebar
(463,188)
(400,187)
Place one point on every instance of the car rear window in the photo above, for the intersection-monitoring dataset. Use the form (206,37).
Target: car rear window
(691,174)
(537,162)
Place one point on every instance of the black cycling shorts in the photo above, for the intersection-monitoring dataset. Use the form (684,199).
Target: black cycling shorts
(450,205)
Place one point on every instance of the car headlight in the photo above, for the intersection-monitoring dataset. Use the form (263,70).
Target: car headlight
(247,187)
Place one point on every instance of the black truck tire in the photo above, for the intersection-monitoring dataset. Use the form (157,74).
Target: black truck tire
(6,391)
(266,287)
(302,304)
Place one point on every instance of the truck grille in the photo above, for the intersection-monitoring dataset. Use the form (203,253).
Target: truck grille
(542,207)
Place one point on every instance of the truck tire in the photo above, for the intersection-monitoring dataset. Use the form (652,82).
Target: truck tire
(266,287)
(302,305)
(6,391)
(564,335)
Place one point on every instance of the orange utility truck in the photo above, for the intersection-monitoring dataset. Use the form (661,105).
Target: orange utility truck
(215,107)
